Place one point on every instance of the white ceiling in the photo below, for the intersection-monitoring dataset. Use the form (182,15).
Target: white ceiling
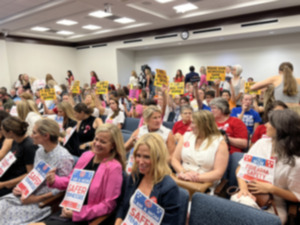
(17,17)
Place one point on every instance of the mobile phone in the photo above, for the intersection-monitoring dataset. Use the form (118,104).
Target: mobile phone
(228,79)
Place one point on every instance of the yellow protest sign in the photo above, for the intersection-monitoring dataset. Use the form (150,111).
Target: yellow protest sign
(76,87)
(161,78)
(48,94)
(176,88)
(215,73)
(247,90)
(102,87)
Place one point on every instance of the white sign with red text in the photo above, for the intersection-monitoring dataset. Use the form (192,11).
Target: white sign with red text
(256,168)
(34,179)
(77,189)
(69,132)
(143,211)
(6,162)
(130,162)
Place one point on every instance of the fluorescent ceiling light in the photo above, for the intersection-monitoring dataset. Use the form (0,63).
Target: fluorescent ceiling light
(65,32)
(100,14)
(185,7)
(124,20)
(91,27)
(163,1)
(42,29)
(67,22)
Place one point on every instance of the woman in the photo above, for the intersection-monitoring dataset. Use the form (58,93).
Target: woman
(235,130)
(5,143)
(133,80)
(283,129)
(89,100)
(107,160)
(203,82)
(70,77)
(179,77)
(153,124)
(150,174)
(94,79)
(182,126)
(287,87)
(238,84)
(27,111)
(86,126)
(14,208)
(201,155)
(22,147)
(65,110)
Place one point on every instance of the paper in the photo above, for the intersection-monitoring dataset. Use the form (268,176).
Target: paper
(161,78)
(176,89)
(215,73)
(6,162)
(102,87)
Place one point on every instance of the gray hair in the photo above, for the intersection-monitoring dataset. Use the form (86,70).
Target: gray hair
(184,107)
(221,104)
(239,69)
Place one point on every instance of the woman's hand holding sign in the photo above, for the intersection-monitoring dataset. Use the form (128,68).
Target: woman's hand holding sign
(50,177)
(257,187)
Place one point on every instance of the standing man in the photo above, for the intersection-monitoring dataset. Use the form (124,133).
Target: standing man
(191,74)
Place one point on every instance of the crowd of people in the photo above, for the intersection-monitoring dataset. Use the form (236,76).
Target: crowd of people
(209,122)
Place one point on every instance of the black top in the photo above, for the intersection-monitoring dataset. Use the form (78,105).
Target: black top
(25,153)
(70,123)
(73,143)
(86,131)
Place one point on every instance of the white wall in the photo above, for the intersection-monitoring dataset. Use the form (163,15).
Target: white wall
(4,68)
(37,60)
(125,64)
(259,57)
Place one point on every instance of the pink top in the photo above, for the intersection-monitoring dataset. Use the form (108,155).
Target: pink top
(138,109)
(104,190)
(93,81)
(202,80)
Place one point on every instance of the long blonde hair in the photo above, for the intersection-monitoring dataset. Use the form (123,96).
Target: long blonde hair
(24,107)
(67,108)
(158,156)
(206,126)
(290,84)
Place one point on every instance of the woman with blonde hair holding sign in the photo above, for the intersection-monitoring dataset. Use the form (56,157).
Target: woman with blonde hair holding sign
(151,176)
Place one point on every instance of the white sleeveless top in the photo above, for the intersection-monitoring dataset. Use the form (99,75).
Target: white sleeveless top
(199,160)
(162,131)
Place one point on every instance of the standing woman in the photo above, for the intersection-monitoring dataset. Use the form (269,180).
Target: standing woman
(283,129)
(238,83)
(286,86)
(179,76)
(94,79)
(14,208)
(203,82)
(86,126)
(23,149)
(151,175)
(70,77)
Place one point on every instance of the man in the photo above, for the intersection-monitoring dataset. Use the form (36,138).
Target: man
(248,115)
(191,74)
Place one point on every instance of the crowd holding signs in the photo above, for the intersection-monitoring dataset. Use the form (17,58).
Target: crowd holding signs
(48,94)
(215,73)
(102,87)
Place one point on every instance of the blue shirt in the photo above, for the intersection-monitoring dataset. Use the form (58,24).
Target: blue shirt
(189,76)
(250,117)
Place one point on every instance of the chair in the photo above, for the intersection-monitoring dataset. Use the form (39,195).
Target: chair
(184,202)
(168,125)
(126,136)
(103,118)
(131,124)
(232,165)
(211,210)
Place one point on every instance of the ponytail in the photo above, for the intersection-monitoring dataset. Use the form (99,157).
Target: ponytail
(290,83)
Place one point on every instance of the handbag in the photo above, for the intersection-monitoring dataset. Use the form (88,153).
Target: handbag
(264,201)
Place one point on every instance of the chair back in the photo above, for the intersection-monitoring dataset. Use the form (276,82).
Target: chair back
(168,125)
(184,202)
(131,124)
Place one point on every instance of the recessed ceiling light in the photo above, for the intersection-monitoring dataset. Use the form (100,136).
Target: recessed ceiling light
(64,32)
(40,29)
(100,14)
(124,20)
(185,7)
(67,22)
(163,1)
(91,27)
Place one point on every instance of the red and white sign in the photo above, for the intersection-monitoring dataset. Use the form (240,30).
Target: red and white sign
(256,168)
(6,162)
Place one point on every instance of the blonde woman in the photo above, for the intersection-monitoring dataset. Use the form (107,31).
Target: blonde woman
(201,155)
(286,86)
(153,124)
(66,110)
(151,175)
(238,83)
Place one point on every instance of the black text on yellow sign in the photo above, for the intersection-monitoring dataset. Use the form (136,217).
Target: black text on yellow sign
(176,88)
(48,94)
(247,90)
(76,87)
(102,87)
(161,78)
(215,73)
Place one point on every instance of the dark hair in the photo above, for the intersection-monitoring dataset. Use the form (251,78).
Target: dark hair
(126,90)
(81,107)
(287,141)
(114,93)
(150,101)
(3,115)
(284,64)
(192,68)
(180,74)
(210,93)
(185,98)
(226,91)
(15,124)
(95,75)
(115,113)
(70,73)
(270,107)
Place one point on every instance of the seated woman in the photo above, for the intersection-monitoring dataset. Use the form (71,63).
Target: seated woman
(201,155)
(150,175)
(235,129)
(153,121)
(14,208)
(107,160)
(86,126)
(283,146)
(182,126)
(24,150)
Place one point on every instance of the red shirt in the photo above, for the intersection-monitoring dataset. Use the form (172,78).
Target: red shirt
(258,133)
(190,95)
(180,79)
(181,128)
(234,128)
